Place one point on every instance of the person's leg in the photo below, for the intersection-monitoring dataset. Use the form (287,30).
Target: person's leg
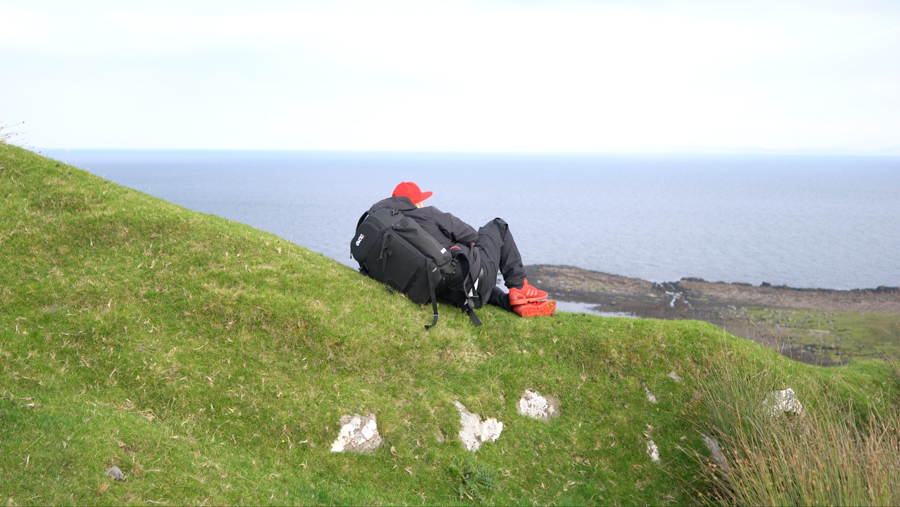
(499,249)
(499,298)
(500,252)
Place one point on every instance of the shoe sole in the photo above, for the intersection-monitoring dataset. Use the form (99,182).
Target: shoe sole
(526,300)
(539,311)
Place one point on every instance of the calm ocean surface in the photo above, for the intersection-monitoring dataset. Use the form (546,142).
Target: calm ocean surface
(823,222)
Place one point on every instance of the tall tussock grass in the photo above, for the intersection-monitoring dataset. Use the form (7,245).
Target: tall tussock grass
(843,448)
(7,135)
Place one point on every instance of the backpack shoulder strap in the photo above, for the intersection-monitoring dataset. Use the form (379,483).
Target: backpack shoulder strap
(360,221)
(433,305)
(470,311)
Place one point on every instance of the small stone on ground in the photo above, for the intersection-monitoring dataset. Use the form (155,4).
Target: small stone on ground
(716,451)
(781,402)
(652,450)
(115,473)
(358,434)
(474,431)
(650,396)
(540,407)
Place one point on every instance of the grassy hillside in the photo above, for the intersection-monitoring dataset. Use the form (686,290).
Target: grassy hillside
(211,362)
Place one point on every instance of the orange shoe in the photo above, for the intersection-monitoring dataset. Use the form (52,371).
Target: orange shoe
(539,309)
(527,294)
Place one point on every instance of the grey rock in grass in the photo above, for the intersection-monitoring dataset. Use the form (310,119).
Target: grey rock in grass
(115,473)
(674,376)
(474,431)
(358,434)
(650,396)
(782,402)
(533,405)
(716,451)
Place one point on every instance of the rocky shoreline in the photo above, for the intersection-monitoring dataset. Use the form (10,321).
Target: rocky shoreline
(741,309)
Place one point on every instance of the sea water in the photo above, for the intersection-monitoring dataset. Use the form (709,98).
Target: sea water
(801,221)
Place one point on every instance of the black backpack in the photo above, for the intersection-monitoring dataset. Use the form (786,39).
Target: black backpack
(393,249)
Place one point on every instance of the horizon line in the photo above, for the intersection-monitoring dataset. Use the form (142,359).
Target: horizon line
(636,150)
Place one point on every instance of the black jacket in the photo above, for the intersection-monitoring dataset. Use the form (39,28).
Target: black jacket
(451,232)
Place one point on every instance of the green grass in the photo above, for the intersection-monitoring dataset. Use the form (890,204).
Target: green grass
(841,336)
(831,453)
(211,362)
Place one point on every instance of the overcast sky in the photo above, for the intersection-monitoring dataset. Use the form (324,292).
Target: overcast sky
(459,75)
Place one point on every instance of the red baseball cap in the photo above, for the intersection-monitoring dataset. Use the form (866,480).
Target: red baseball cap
(411,190)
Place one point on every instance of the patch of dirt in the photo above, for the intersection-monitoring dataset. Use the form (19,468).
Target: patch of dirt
(718,303)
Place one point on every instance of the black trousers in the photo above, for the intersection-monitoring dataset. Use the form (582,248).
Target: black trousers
(499,253)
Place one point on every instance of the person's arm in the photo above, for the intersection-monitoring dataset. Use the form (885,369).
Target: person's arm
(457,230)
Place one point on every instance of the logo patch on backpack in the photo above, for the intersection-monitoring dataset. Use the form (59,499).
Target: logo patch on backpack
(359,239)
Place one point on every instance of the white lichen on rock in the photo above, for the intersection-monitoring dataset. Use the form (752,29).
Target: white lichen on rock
(540,407)
(474,431)
(782,402)
(358,434)
(652,450)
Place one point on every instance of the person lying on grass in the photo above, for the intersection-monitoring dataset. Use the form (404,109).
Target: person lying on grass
(488,250)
